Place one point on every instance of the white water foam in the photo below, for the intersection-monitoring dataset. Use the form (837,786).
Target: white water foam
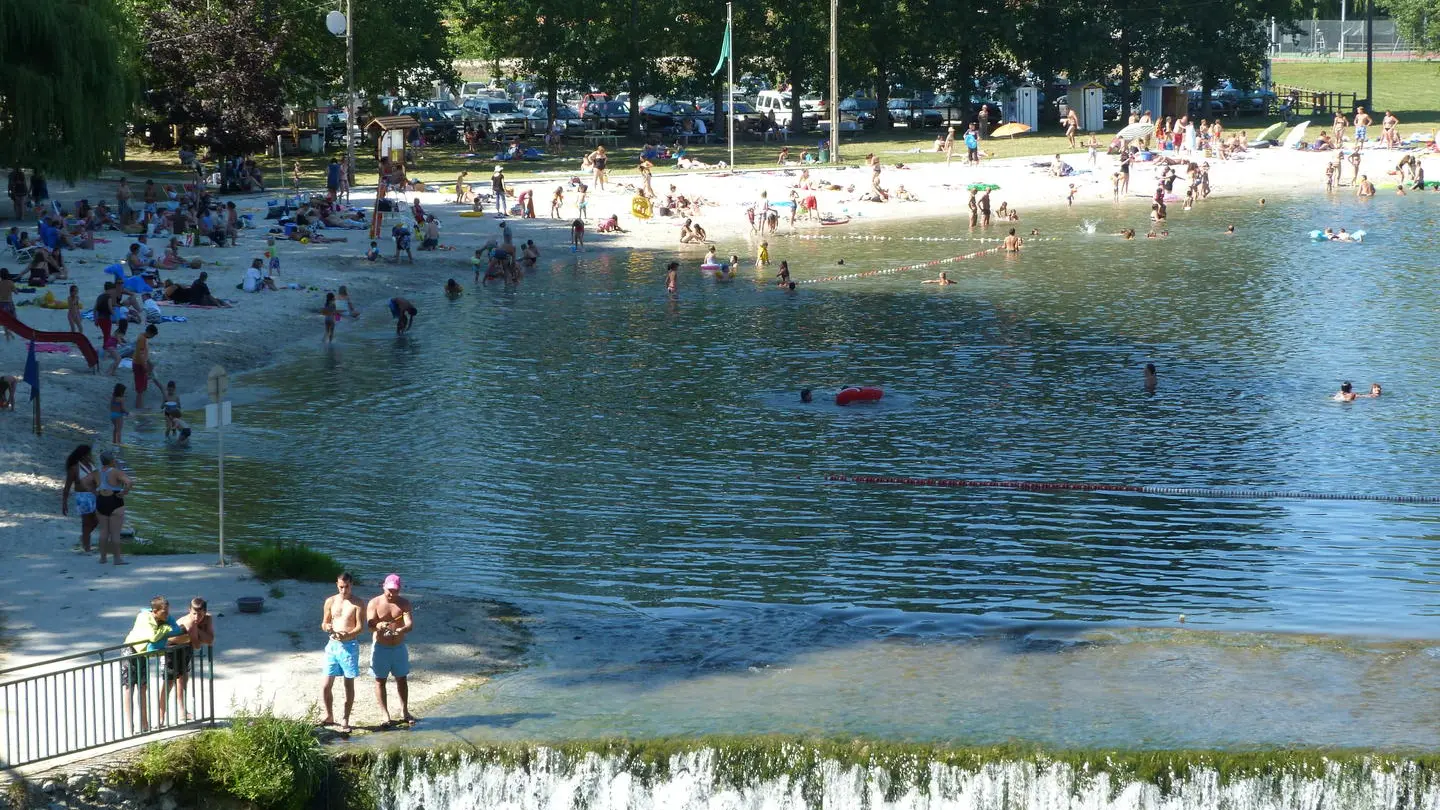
(551,781)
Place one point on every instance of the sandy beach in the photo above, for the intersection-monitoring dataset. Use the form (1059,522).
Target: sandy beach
(60,601)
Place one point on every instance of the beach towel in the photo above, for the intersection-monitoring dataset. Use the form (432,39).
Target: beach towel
(52,348)
(174,319)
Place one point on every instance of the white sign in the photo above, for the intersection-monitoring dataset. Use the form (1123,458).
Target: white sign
(218,383)
(217,414)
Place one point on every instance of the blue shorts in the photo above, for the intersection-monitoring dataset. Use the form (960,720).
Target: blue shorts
(1360,133)
(394,309)
(388,661)
(342,658)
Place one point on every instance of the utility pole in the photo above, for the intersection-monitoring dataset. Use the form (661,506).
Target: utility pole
(834,82)
(350,95)
(1370,55)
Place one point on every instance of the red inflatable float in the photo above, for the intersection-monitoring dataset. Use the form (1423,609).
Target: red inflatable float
(858,394)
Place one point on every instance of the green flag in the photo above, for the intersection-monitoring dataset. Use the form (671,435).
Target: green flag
(724,51)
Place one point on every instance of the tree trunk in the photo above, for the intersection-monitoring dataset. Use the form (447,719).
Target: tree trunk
(882,97)
(1125,74)
(796,67)
(637,67)
(552,96)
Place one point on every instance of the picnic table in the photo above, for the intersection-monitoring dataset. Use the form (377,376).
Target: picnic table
(595,137)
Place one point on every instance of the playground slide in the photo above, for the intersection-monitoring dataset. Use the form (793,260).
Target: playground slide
(81,342)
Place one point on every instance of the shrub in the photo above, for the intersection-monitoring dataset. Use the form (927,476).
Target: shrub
(274,762)
(290,561)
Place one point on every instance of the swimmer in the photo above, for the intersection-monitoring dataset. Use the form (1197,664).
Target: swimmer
(672,276)
(1262,202)
(1012,242)
(1374,391)
(734,265)
(1343,236)
(1229,230)
(1150,380)
(453,289)
(710,257)
(790,287)
(1365,188)
(942,280)
(1345,394)
(806,395)
(1034,231)
(783,275)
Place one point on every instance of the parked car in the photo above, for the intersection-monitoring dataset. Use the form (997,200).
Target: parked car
(497,115)
(538,118)
(437,128)
(590,98)
(745,116)
(861,110)
(449,109)
(773,101)
(666,114)
(912,113)
(606,115)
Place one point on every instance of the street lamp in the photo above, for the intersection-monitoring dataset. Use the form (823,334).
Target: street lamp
(338,23)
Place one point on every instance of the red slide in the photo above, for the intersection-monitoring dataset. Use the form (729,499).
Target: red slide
(81,342)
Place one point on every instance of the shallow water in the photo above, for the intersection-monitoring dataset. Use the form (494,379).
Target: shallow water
(638,470)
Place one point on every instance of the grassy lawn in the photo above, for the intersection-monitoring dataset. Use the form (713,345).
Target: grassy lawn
(1410,89)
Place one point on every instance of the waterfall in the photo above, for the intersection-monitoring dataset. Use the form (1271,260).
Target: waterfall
(762,774)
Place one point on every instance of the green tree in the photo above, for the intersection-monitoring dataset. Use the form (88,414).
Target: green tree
(1417,20)
(66,84)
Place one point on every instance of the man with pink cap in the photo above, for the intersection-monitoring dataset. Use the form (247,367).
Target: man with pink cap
(391,617)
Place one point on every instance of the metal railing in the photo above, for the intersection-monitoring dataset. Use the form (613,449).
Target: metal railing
(100,697)
(1304,101)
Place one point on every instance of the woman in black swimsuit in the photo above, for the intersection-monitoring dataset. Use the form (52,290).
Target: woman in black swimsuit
(111,487)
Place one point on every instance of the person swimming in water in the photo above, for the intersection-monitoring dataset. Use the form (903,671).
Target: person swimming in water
(1150,379)
(1229,230)
(453,288)
(1374,391)
(806,395)
(1345,394)
(942,280)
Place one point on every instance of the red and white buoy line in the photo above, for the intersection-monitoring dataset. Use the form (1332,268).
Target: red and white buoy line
(902,268)
(1055,486)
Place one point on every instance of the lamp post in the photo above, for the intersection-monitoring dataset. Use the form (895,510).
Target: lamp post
(337,23)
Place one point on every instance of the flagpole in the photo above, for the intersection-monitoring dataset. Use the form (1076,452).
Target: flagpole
(730,100)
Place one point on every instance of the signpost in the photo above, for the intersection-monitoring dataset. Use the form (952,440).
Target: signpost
(217,415)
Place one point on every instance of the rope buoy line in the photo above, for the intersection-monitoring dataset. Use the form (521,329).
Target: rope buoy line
(865,238)
(903,268)
(1054,486)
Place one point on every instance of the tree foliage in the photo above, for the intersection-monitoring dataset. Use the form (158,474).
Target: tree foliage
(66,87)
(1417,20)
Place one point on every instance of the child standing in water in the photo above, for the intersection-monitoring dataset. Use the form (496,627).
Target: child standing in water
(117,412)
(577,234)
(331,313)
(174,425)
(73,312)
(762,258)
(343,294)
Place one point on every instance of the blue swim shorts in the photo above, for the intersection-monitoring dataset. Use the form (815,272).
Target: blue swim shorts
(342,658)
(388,661)
(1360,133)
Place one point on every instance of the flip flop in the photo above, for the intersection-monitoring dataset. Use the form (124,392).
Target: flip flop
(345,730)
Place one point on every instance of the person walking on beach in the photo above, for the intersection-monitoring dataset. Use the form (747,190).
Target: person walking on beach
(80,477)
(949,145)
(343,619)
(111,487)
(1339,128)
(391,617)
(1072,126)
(972,146)
(556,201)
(497,188)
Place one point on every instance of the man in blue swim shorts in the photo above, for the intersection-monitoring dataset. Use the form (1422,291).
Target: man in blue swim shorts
(391,617)
(344,620)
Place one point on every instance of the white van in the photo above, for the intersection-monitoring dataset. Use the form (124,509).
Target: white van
(774,101)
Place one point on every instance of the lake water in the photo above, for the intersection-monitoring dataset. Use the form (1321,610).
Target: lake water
(638,471)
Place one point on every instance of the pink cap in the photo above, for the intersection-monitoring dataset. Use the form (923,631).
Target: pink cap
(392,583)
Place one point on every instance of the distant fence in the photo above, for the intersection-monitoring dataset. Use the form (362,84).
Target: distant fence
(1304,101)
(1330,39)
(87,700)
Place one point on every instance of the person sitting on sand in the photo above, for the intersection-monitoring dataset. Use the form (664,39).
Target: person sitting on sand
(943,280)
(1345,394)
(903,195)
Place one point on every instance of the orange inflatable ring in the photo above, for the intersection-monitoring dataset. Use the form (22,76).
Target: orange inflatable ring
(858,394)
